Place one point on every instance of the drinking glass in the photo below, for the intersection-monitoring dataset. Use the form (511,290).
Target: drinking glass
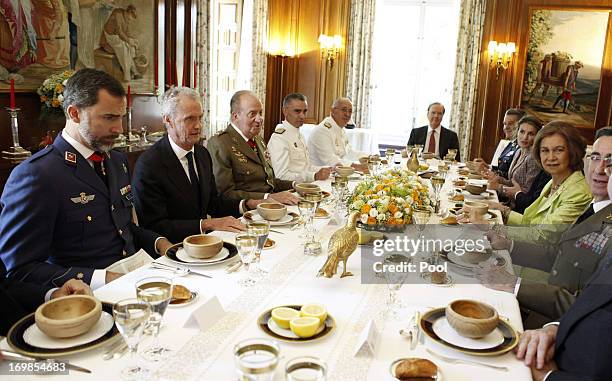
(420,218)
(395,280)
(452,153)
(437,183)
(390,157)
(256,359)
(157,291)
(305,368)
(312,245)
(305,208)
(260,229)
(131,316)
(419,148)
(246,245)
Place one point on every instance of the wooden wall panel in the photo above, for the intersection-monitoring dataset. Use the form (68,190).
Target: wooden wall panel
(300,22)
(509,21)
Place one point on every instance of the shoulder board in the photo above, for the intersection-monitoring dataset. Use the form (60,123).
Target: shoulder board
(327,124)
(280,130)
(41,153)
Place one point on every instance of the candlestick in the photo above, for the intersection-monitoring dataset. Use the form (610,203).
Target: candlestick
(15,153)
(130,136)
(129,97)
(12,96)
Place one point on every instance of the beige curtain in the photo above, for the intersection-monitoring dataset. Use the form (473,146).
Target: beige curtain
(471,23)
(202,58)
(260,60)
(359,57)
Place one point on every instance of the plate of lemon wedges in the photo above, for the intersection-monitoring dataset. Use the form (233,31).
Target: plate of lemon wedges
(297,323)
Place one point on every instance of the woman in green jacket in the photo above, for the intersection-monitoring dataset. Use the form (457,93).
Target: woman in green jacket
(559,149)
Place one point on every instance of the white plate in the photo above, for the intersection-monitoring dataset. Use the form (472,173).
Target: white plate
(183,256)
(287,332)
(448,334)
(483,196)
(283,221)
(194,296)
(458,260)
(37,338)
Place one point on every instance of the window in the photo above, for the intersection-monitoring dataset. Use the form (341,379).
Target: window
(413,64)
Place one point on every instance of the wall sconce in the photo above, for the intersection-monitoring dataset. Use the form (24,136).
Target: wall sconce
(500,55)
(330,47)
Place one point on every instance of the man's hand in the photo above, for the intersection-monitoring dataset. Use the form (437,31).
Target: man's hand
(494,205)
(284,198)
(111,276)
(252,204)
(498,241)
(513,190)
(323,173)
(360,167)
(537,347)
(482,165)
(539,374)
(162,245)
(72,287)
(229,224)
(495,277)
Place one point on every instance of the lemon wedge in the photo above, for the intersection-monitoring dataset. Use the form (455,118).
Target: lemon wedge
(314,310)
(282,316)
(304,327)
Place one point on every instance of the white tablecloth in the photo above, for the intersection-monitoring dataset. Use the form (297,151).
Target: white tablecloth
(208,355)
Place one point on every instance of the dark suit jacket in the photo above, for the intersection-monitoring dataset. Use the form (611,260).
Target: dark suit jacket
(583,345)
(164,199)
(58,219)
(505,159)
(448,139)
(17,299)
(570,265)
(524,199)
(240,172)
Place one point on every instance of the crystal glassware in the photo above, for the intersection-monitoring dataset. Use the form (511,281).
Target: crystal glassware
(437,183)
(259,229)
(419,148)
(395,280)
(131,317)
(246,245)
(256,359)
(420,217)
(390,157)
(452,153)
(312,245)
(157,291)
(305,368)
(305,208)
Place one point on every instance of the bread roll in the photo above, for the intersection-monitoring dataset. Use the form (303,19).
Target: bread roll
(414,369)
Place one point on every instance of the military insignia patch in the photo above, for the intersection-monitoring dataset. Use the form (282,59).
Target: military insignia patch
(83,198)
(125,190)
(280,131)
(70,157)
(239,155)
(327,124)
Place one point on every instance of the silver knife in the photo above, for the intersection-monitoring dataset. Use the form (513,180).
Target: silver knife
(9,355)
(415,330)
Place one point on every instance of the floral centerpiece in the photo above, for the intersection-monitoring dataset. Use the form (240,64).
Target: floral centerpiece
(389,198)
(51,93)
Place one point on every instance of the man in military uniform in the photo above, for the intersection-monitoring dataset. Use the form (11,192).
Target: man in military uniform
(573,260)
(241,161)
(287,147)
(328,144)
(66,212)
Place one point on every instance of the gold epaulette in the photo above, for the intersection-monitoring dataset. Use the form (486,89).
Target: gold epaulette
(280,130)
(327,124)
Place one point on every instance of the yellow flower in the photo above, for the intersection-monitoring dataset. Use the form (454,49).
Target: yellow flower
(59,88)
(55,103)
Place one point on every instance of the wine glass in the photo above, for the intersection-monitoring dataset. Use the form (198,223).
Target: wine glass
(305,207)
(437,183)
(390,156)
(131,316)
(312,246)
(419,148)
(420,218)
(157,291)
(260,229)
(305,368)
(395,280)
(246,245)
(452,153)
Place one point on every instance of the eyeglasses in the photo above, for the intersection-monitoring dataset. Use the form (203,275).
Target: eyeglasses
(608,162)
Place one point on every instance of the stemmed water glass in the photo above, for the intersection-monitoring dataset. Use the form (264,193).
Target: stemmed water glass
(259,229)
(131,317)
(419,147)
(246,245)
(437,183)
(452,153)
(157,291)
(420,218)
(395,280)
(390,157)
(312,246)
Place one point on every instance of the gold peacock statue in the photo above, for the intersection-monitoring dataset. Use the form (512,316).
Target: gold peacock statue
(341,245)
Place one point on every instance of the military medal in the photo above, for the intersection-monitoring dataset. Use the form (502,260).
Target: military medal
(70,157)
(83,198)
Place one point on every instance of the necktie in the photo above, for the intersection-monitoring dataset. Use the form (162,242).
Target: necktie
(98,163)
(432,142)
(587,213)
(193,177)
(252,144)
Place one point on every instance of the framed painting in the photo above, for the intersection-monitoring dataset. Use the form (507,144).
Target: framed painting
(42,37)
(565,56)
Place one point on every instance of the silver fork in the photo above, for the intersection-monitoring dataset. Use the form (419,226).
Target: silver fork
(180,271)
(452,360)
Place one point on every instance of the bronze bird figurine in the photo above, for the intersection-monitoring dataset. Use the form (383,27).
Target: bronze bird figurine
(341,245)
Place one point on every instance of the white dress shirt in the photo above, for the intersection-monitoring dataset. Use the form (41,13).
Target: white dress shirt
(329,146)
(437,135)
(289,154)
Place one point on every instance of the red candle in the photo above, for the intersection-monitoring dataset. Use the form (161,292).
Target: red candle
(129,96)
(12,97)
(195,74)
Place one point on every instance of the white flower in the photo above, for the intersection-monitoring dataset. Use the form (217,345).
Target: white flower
(64,81)
(364,218)
(381,217)
(381,193)
(373,212)
(371,202)
(407,210)
(60,97)
(46,82)
(398,214)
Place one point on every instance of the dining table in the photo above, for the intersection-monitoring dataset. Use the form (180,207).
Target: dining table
(204,350)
